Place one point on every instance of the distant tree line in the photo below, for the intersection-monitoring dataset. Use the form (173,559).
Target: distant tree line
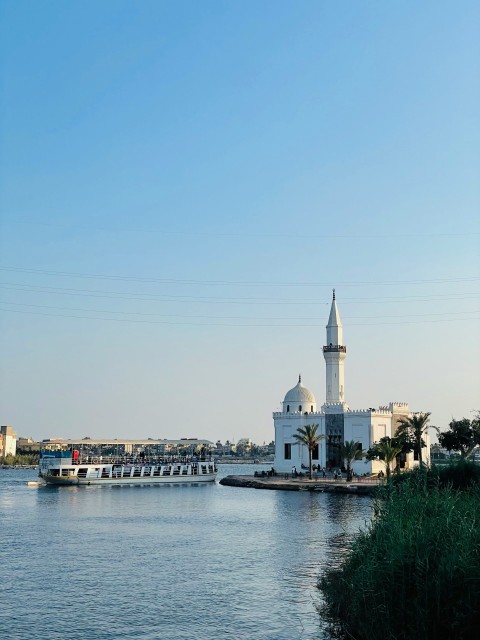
(462,437)
(20,458)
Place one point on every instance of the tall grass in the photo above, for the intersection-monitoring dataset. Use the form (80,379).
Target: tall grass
(415,573)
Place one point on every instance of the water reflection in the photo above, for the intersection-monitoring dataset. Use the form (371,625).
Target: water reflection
(177,561)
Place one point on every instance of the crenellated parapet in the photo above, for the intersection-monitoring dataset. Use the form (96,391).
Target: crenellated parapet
(335,407)
(297,414)
(363,412)
(398,407)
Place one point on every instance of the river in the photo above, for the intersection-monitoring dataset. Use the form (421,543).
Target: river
(167,562)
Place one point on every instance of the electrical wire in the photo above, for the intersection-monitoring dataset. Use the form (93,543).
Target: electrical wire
(235,282)
(210,317)
(220,324)
(152,297)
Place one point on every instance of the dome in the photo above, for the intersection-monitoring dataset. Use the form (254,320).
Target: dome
(299,399)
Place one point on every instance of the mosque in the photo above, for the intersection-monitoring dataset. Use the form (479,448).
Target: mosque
(335,420)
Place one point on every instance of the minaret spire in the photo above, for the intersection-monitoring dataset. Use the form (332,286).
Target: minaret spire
(334,353)
(299,378)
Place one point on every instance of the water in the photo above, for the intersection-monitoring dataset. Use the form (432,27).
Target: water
(176,562)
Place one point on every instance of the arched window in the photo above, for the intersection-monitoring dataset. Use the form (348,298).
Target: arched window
(288,408)
(311,408)
(299,407)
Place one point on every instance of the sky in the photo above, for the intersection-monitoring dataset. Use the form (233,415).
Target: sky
(182,184)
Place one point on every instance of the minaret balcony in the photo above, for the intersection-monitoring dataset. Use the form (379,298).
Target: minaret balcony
(334,348)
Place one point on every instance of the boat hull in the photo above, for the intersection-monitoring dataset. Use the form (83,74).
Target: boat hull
(75,481)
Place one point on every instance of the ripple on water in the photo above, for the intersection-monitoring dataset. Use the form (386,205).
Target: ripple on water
(167,562)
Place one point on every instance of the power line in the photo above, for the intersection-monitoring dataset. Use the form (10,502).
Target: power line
(236,234)
(153,297)
(177,281)
(210,317)
(219,324)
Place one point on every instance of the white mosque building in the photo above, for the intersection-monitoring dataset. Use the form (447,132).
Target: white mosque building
(335,420)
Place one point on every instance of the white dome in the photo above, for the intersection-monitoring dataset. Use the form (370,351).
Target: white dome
(299,399)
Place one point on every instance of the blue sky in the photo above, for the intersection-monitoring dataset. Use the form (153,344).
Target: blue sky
(182,184)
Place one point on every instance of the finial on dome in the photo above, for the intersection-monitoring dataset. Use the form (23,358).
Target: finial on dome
(334,294)
(299,378)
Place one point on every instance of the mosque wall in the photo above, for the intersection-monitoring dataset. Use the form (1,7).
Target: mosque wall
(288,452)
(357,428)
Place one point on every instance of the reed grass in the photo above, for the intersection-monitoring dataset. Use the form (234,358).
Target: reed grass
(415,572)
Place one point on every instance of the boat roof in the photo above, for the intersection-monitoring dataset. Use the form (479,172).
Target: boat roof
(148,441)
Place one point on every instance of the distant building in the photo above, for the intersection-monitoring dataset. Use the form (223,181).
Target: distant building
(27,445)
(335,420)
(8,441)
(244,446)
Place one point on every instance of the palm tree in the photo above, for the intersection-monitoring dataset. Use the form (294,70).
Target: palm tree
(387,451)
(308,436)
(350,452)
(414,428)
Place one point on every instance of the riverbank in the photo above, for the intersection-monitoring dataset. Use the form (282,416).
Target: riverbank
(19,466)
(278,483)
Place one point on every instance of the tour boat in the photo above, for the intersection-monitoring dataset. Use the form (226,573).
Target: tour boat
(126,462)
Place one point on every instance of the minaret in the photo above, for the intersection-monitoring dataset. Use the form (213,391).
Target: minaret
(335,353)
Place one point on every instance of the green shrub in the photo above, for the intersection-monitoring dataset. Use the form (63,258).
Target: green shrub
(20,459)
(460,475)
(415,573)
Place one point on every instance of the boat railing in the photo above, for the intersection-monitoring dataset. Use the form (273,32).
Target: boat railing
(138,461)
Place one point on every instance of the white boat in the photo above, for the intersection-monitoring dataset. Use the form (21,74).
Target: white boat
(122,462)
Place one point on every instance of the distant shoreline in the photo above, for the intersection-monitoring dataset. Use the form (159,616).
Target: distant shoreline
(19,466)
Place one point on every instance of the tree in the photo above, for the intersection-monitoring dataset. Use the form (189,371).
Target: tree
(351,451)
(463,436)
(414,428)
(385,450)
(308,436)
